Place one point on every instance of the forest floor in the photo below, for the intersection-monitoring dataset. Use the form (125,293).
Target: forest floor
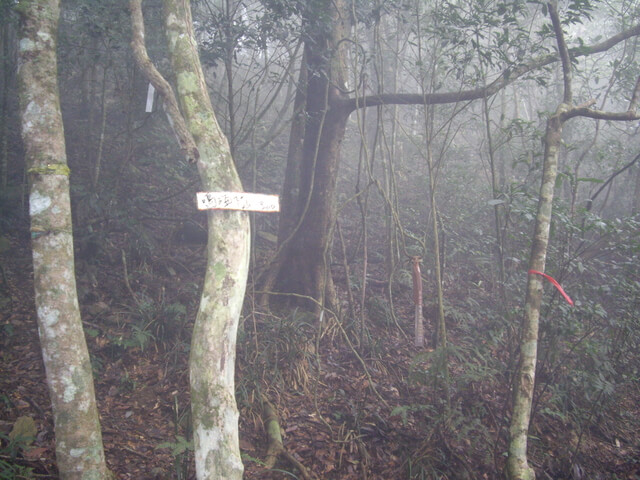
(345,412)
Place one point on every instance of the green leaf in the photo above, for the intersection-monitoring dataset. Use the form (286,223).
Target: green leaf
(92,332)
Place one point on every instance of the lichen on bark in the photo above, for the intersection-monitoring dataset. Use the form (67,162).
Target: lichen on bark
(79,450)
(212,358)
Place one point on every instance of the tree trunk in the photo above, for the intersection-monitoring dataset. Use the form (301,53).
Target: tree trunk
(517,466)
(213,347)
(79,450)
(8,62)
(304,270)
(635,201)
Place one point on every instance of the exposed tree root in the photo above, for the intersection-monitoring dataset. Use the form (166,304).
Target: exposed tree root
(275,446)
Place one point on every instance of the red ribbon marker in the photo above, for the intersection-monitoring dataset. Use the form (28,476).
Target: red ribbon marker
(555,284)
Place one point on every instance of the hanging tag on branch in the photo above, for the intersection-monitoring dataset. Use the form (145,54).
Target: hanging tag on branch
(150,93)
(555,283)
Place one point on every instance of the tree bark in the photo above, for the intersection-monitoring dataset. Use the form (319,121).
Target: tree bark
(213,346)
(79,450)
(304,234)
(517,465)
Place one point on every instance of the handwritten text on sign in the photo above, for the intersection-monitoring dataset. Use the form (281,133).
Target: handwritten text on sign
(255,202)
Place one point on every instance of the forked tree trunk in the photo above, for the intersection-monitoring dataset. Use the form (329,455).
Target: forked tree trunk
(213,345)
(314,151)
(79,451)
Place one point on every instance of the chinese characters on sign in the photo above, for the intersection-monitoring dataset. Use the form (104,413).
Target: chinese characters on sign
(255,202)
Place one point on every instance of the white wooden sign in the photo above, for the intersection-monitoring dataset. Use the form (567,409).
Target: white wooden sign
(254,202)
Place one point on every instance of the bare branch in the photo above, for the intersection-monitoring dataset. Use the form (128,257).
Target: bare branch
(599,114)
(185,139)
(609,180)
(562,50)
(507,77)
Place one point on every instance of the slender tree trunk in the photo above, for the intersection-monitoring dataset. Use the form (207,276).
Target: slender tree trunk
(79,450)
(518,467)
(213,346)
(635,201)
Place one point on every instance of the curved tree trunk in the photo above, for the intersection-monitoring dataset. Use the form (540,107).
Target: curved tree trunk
(517,465)
(79,451)
(213,347)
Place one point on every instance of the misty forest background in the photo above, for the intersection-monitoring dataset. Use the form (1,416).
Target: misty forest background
(354,396)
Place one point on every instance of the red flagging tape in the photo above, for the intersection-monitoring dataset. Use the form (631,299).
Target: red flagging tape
(555,284)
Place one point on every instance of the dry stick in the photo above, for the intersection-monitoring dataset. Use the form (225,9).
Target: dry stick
(103,124)
(609,180)
(363,203)
(364,365)
(417,300)
(433,170)
(347,272)
(494,193)
(126,280)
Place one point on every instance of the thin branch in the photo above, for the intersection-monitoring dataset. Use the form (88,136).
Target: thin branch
(609,180)
(562,50)
(633,104)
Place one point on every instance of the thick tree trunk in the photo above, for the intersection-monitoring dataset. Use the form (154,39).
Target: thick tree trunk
(304,270)
(290,197)
(79,450)
(213,347)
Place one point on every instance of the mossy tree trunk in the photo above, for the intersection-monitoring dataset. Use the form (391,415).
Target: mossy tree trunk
(79,451)
(517,464)
(213,346)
